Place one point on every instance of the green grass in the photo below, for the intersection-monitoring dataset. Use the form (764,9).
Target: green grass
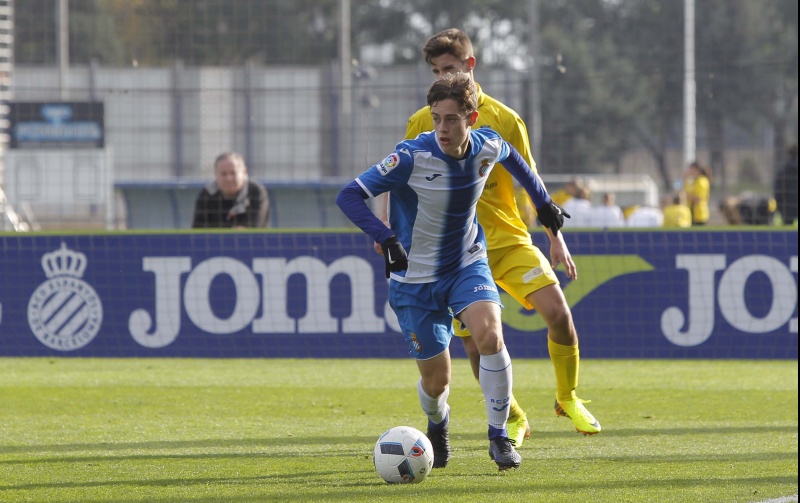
(192,430)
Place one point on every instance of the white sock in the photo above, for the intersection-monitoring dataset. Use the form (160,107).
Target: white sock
(496,380)
(435,408)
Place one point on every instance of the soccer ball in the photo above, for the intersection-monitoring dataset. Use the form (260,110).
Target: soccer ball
(403,455)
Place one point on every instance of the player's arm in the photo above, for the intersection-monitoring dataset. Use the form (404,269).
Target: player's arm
(549,213)
(352,201)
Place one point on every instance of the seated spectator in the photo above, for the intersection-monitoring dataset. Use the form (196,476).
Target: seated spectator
(579,208)
(785,188)
(608,215)
(748,208)
(676,212)
(645,216)
(569,190)
(231,200)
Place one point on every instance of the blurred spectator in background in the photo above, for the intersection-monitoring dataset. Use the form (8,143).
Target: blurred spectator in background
(567,192)
(607,215)
(748,208)
(676,211)
(785,188)
(697,185)
(231,200)
(645,216)
(580,208)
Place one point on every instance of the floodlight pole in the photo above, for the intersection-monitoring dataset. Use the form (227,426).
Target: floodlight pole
(345,56)
(534,84)
(62,27)
(689,86)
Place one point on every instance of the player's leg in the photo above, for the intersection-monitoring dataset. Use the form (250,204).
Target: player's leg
(495,377)
(525,273)
(433,390)
(562,344)
(476,303)
(518,427)
(426,325)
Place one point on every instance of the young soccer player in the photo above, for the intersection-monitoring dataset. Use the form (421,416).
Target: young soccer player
(435,253)
(518,266)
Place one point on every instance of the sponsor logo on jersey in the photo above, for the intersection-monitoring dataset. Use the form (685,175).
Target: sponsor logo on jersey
(65,312)
(388,164)
(481,288)
(475,248)
(485,165)
(433,177)
(532,274)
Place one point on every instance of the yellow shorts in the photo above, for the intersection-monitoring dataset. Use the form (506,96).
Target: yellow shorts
(519,270)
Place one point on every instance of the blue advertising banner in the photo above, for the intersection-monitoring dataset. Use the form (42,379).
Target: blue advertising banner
(61,124)
(695,294)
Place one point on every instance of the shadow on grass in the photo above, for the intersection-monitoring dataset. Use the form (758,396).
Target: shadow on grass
(355,491)
(333,447)
(370,440)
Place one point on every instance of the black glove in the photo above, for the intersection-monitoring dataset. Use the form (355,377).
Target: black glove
(552,216)
(394,255)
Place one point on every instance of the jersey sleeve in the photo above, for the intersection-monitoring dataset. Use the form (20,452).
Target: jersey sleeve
(515,133)
(394,170)
(519,169)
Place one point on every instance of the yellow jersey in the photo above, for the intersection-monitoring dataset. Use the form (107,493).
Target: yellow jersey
(497,208)
(560,197)
(698,188)
(677,215)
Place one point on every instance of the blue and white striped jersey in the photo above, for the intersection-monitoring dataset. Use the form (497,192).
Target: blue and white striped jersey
(432,201)
(433,198)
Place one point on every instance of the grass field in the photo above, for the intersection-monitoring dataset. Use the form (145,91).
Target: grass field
(189,430)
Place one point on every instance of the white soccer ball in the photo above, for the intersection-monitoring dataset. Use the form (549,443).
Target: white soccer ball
(403,455)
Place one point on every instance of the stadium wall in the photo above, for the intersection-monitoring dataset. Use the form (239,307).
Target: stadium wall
(687,294)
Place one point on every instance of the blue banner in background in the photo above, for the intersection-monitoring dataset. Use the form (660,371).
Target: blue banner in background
(695,294)
(56,125)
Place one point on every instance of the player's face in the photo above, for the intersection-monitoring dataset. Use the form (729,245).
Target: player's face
(229,177)
(447,63)
(452,127)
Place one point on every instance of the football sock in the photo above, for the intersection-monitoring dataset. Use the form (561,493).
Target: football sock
(566,362)
(435,408)
(514,411)
(496,381)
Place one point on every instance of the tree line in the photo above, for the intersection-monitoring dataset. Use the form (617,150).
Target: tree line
(611,72)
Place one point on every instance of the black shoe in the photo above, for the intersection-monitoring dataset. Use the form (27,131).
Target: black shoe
(440,440)
(502,452)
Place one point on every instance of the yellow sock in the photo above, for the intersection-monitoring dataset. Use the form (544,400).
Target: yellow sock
(514,410)
(566,361)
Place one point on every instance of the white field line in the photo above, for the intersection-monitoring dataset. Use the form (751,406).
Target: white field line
(782,499)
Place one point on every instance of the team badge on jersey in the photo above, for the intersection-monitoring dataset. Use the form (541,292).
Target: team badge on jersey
(388,164)
(485,163)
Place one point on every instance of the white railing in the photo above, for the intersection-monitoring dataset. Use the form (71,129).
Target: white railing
(11,219)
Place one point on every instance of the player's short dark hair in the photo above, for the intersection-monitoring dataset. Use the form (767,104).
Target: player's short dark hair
(451,41)
(455,86)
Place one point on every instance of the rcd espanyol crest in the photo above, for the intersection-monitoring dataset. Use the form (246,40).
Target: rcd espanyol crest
(65,312)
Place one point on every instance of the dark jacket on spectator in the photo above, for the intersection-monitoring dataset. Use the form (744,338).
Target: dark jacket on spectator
(249,209)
